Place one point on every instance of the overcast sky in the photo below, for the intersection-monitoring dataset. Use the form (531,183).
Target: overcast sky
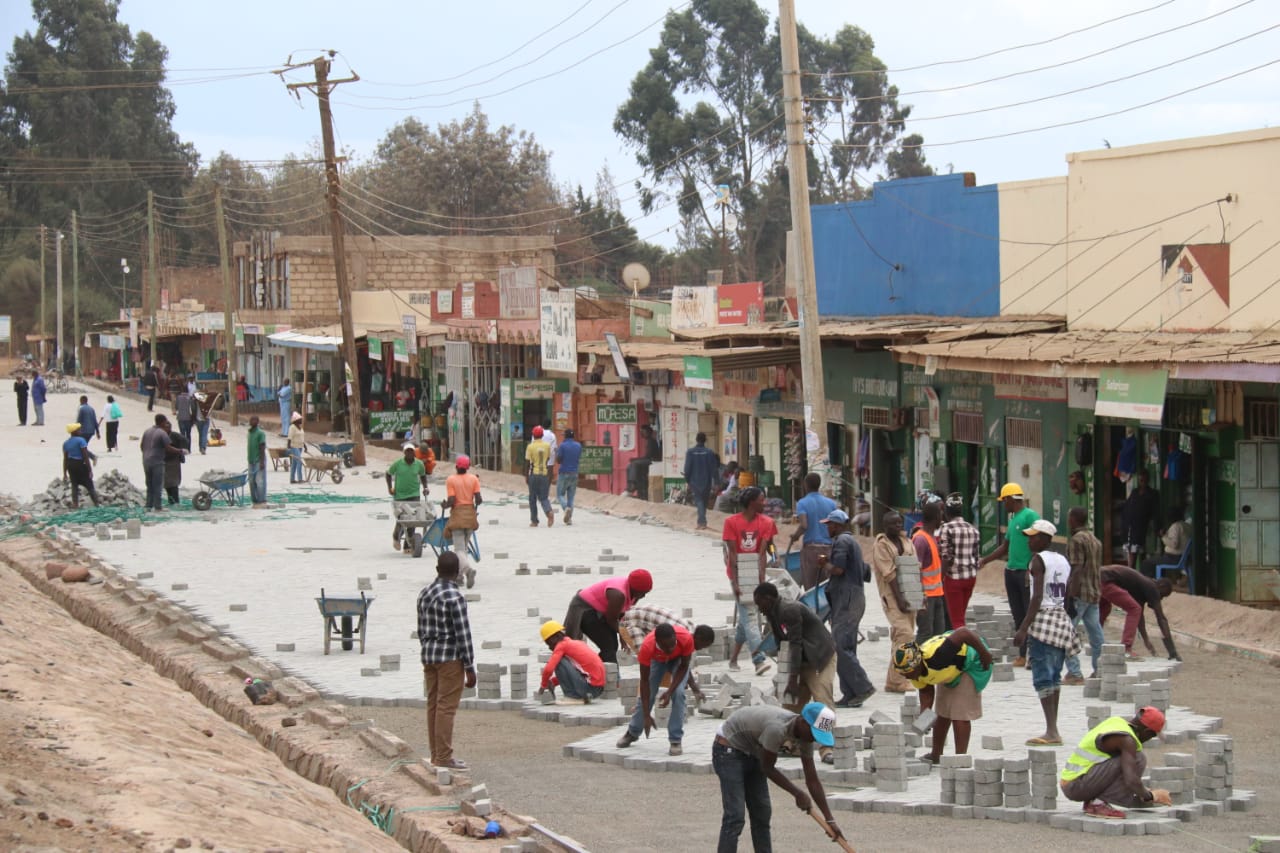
(405,50)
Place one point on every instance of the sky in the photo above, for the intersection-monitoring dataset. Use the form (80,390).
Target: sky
(560,68)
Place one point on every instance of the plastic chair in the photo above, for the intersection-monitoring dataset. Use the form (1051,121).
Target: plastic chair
(1183,565)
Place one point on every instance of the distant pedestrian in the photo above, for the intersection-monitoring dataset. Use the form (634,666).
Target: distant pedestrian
(112,415)
(549,436)
(1084,553)
(537,456)
(150,382)
(810,510)
(257,457)
(667,653)
(462,500)
(701,468)
(958,543)
(1046,629)
(1106,768)
(950,670)
(595,610)
(39,394)
(297,441)
(889,547)
(21,390)
(77,467)
(568,455)
(184,409)
(448,657)
(173,467)
(1141,516)
(847,597)
(745,540)
(1017,556)
(156,447)
(573,666)
(204,404)
(284,395)
(932,618)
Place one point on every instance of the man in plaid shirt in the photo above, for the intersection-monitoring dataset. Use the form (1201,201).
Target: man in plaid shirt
(1084,553)
(958,543)
(1047,630)
(448,657)
(640,620)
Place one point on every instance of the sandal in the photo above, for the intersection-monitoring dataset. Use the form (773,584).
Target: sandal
(1040,741)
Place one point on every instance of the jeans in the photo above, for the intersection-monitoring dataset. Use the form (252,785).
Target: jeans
(1046,666)
(573,683)
(566,489)
(700,499)
(675,724)
(184,429)
(1019,594)
(203,427)
(1088,614)
(155,484)
(258,482)
(539,486)
(151,399)
(39,414)
(295,464)
(748,631)
(844,630)
(744,790)
(442,683)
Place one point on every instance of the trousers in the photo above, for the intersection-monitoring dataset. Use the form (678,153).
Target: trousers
(442,683)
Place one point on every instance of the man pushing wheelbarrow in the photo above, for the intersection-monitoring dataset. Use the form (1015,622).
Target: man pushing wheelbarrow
(463,497)
(404,479)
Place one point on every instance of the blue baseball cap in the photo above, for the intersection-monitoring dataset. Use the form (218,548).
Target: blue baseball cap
(836,516)
(822,721)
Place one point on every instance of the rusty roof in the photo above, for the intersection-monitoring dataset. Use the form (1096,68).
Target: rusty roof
(669,355)
(912,327)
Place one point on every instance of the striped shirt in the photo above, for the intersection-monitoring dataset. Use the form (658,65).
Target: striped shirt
(640,620)
(958,542)
(443,627)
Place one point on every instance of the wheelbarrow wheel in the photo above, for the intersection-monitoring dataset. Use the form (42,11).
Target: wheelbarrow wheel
(347,628)
(349,459)
(417,543)
(336,475)
(202,501)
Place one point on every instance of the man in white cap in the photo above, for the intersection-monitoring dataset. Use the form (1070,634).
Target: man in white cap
(745,757)
(404,479)
(1047,630)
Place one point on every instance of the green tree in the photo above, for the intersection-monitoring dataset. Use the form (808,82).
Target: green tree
(707,111)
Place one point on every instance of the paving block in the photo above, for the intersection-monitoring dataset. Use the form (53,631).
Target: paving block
(285,647)
(992,742)
(239,608)
(1264,843)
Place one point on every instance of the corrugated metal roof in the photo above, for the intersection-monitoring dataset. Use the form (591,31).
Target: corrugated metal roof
(669,355)
(865,328)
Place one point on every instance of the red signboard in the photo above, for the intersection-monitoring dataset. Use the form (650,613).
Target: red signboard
(741,304)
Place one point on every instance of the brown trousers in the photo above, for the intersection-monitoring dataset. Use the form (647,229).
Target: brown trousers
(816,685)
(902,629)
(442,684)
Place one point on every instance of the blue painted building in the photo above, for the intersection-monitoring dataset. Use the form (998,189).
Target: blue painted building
(917,246)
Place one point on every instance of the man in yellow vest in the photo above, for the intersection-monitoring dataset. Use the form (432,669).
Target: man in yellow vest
(1107,766)
(953,668)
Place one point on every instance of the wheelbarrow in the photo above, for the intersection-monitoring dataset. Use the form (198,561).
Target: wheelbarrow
(353,611)
(280,458)
(441,541)
(318,469)
(339,451)
(415,519)
(230,488)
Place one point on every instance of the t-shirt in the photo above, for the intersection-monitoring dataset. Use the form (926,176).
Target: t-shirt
(760,728)
(463,488)
(815,506)
(583,657)
(537,454)
(88,420)
(75,447)
(568,455)
(1141,588)
(650,653)
(406,479)
(1019,557)
(297,438)
(750,537)
(154,441)
(257,445)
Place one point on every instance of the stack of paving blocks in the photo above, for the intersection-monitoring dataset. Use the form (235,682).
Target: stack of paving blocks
(1177,777)
(782,671)
(610,681)
(1214,768)
(890,754)
(1017,783)
(1095,714)
(1044,778)
(845,752)
(988,782)
(629,693)
(1161,693)
(950,766)
(519,680)
(489,680)
(1001,672)
(1111,666)
(965,780)
(910,714)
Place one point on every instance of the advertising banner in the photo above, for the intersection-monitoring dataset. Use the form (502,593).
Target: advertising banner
(697,372)
(559,328)
(518,293)
(693,307)
(1128,393)
(741,304)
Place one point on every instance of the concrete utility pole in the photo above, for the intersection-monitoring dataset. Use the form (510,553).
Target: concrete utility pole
(153,283)
(228,330)
(815,395)
(75,291)
(322,87)
(60,352)
(44,277)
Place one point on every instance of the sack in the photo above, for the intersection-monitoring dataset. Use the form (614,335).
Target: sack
(261,692)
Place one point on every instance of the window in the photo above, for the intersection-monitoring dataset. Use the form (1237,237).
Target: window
(1022,432)
(1262,418)
(967,427)
(877,416)
(921,418)
(1183,412)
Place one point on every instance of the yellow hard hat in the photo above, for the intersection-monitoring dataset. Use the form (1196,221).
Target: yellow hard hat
(550,628)
(1011,490)
(73,428)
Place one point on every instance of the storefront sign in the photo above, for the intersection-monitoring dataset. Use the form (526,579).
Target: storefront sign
(518,293)
(619,360)
(399,421)
(111,341)
(468,300)
(596,459)
(444,301)
(1013,386)
(1127,393)
(615,413)
(558,327)
(935,413)
(697,372)
(693,307)
(375,347)
(410,324)
(533,389)
(400,350)
(740,304)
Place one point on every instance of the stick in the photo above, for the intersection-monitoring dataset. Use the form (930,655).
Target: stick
(822,822)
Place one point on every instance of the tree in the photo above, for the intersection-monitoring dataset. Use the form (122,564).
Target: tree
(707,111)
(908,160)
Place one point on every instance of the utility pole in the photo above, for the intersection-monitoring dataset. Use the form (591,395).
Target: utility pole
(60,352)
(815,395)
(152,284)
(44,277)
(228,330)
(75,291)
(322,87)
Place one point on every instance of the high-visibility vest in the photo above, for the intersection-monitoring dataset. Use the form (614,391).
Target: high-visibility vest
(931,575)
(1087,753)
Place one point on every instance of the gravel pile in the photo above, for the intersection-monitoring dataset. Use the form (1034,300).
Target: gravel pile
(114,489)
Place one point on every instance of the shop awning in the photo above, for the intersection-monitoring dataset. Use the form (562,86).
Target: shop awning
(903,328)
(325,338)
(670,355)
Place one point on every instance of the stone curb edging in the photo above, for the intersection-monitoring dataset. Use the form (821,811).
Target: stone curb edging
(1241,649)
(363,765)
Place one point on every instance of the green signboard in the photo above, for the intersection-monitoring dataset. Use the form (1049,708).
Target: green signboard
(615,413)
(1130,393)
(596,459)
(399,421)
(401,350)
(375,347)
(697,372)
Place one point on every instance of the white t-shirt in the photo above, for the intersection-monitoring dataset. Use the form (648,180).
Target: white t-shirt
(1056,572)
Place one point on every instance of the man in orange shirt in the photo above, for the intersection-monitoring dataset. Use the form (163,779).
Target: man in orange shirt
(573,665)
(463,497)
(668,650)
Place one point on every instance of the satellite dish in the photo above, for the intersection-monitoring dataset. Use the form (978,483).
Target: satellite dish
(637,276)
(731,221)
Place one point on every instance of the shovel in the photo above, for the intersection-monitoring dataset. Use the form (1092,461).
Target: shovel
(822,822)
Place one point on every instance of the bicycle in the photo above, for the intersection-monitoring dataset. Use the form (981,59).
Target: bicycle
(56,383)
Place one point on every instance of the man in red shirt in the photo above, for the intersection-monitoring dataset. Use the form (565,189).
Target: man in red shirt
(746,542)
(573,665)
(668,650)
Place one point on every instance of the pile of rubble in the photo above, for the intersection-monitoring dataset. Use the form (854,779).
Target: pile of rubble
(114,489)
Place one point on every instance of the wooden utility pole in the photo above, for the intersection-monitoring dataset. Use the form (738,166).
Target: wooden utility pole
(60,351)
(322,87)
(228,330)
(815,395)
(44,276)
(152,284)
(75,291)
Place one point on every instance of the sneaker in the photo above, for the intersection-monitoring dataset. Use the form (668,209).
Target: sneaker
(1073,680)
(471,577)
(734,666)
(1130,656)
(675,749)
(626,740)
(551,519)
(395,544)
(763,667)
(828,757)
(568,516)
(451,764)
(1097,808)
(533,524)
(1019,661)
